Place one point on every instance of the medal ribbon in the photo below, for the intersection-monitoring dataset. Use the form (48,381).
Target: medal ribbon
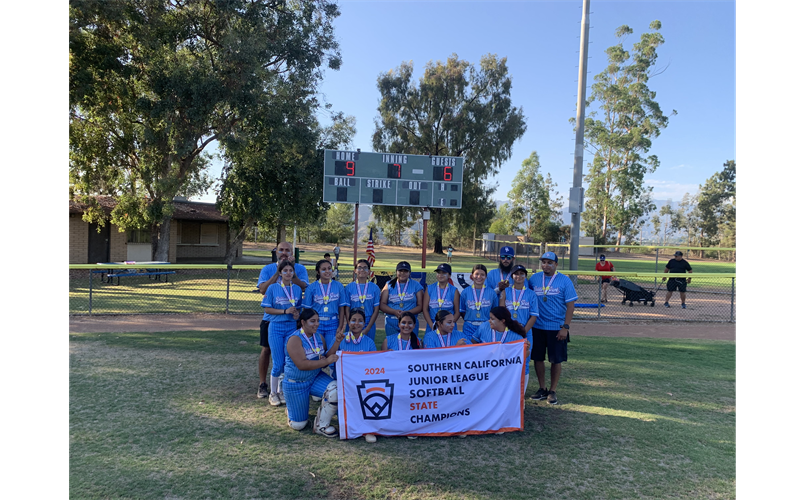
(477,299)
(402,293)
(354,340)
(325,296)
(362,296)
(314,346)
(515,300)
(546,288)
(439,297)
(441,338)
(494,335)
(403,347)
(289,293)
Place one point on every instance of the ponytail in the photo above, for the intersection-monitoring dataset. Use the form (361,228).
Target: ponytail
(505,316)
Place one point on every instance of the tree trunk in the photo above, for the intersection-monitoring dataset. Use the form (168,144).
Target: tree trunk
(437,230)
(236,237)
(154,240)
(163,246)
(280,232)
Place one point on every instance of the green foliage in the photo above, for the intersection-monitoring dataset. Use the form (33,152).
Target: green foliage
(457,109)
(394,221)
(152,84)
(503,223)
(617,197)
(337,225)
(535,202)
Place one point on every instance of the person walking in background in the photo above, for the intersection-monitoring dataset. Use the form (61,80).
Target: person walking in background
(557,297)
(604,265)
(677,265)
(401,294)
(449,254)
(476,302)
(501,277)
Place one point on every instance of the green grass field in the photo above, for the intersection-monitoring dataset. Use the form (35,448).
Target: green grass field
(174,415)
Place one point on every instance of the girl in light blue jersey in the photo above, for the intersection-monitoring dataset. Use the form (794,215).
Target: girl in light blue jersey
(363,294)
(440,296)
(356,341)
(406,339)
(445,333)
(401,294)
(476,302)
(282,303)
(306,355)
(329,299)
(521,301)
(502,328)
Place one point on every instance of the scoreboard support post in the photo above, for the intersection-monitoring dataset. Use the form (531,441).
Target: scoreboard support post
(425,219)
(355,241)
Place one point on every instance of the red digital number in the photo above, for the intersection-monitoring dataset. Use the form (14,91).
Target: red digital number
(350,168)
(398,169)
(448,173)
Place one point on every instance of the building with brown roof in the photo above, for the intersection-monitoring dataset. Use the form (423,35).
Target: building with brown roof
(198,233)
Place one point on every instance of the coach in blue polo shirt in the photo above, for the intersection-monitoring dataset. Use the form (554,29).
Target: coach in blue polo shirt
(556,297)
(501,278)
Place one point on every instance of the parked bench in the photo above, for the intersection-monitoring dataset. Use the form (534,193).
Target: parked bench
(156,275)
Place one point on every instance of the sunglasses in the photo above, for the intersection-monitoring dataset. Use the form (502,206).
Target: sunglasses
(506,257)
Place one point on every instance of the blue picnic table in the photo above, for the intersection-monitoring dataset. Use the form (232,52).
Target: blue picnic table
(151,268)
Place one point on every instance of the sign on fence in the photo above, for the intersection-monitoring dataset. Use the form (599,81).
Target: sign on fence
(475,389)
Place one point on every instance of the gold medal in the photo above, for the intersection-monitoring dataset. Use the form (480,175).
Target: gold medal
(514,315)
(326,299)
(477,315)
(325,308)
(362,297)
(441,301)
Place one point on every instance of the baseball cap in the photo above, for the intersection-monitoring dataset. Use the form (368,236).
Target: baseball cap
(404,266)
(602,257)
(445,268)
(549,256)
(507,251)
(678,252)
(518,268)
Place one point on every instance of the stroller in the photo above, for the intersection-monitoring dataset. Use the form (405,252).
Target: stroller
(635,293)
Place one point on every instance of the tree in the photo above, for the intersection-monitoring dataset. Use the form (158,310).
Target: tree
(617,197)
(666,223)
(535,201)
(455,110)
(716,207)
(394,221)
(152,84)
(338,224)
(503,223)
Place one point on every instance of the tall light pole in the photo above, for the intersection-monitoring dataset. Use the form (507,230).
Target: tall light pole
(576,201)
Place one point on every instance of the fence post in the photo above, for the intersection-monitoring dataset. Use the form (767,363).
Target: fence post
(90,292)
(600,287)
(656,264)
(228,273)
(732,302)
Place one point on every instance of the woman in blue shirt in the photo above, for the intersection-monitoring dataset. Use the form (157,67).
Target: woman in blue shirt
(401,294)
(282,303)
(363,294)
(306,355)
(329,299)
(476,302)
(445,333)
(440,296)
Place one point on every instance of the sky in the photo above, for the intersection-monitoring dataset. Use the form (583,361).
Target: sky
(540,40)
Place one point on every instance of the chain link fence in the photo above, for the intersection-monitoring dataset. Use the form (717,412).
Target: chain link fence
(222,290)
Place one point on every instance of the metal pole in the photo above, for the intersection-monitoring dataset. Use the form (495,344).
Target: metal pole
(90,292)
(578,158)
(424,240)
(228,273)
(656,264)
(732,302)
(355,240)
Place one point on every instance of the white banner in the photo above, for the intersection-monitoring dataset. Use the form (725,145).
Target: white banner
(476,389)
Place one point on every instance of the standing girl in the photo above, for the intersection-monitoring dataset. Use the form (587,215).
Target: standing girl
(365,295)
(520,300)
(282,303)
(475,303)
(440,296)
(401,294)
(329,299)
(306,355)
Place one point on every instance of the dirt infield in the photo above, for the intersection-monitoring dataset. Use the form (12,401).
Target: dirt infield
(180,322)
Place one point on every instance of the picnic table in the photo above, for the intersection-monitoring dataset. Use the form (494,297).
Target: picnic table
(138,268)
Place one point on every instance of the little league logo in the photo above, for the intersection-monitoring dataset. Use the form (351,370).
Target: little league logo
(376,397)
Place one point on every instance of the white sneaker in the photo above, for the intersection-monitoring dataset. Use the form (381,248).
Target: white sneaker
(370,438)
(315,398)
(282,397)
(274,400)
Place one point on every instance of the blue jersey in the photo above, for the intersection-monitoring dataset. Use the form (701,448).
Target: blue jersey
(270,270)
(486,334)
(495,276)
(403,296)
(474,314)
(366,344)
(447,297)
(393,342)
(553,304)
(432,339)
(314,348)
(325,301)
(371,299)
(277,297)
(526,305)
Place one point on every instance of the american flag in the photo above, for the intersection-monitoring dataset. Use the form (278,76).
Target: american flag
(370,249)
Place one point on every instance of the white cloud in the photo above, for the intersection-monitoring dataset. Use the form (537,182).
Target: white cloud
(664,190)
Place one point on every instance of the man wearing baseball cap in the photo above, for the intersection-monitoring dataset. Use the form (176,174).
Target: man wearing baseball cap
(677,265)
(501,277)
(556,297)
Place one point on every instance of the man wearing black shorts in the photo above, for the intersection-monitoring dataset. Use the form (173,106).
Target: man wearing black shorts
(677,265)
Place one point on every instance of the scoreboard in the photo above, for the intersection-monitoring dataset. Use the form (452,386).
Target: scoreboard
(399,180)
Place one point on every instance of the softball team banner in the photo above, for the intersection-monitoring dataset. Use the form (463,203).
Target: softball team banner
(475,389)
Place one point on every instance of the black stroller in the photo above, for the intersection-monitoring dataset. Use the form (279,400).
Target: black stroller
(635,293)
